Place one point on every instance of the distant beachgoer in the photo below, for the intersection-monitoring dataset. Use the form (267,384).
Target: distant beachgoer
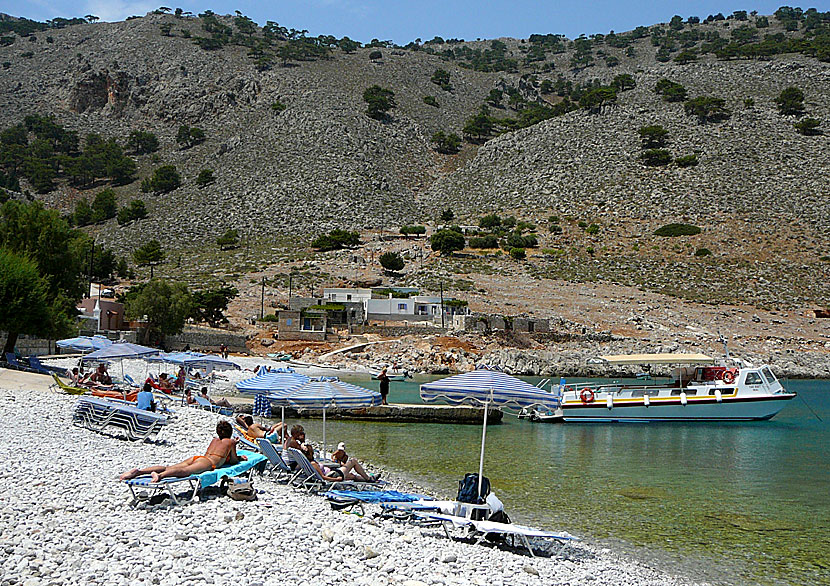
(180,378)
(188,397)
(223,350)
(144,399)
(220,451)
(221,402)
(384,386)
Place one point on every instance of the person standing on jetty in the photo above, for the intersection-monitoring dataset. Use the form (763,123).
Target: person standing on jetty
(221,451)
(384,386)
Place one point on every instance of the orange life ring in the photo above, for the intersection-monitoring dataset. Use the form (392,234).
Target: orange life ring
(729,377)
(587,395)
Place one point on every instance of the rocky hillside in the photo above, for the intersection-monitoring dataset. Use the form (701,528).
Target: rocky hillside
(322,162)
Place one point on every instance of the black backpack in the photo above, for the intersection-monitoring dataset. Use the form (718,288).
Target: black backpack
(468,489)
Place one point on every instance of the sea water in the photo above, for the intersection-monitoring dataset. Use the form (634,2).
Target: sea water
(731,503)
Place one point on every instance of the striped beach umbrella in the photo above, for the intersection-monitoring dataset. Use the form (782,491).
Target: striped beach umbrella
(487,386)
(266,383)
(325,393)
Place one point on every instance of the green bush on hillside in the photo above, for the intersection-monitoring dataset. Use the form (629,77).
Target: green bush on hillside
(673,230)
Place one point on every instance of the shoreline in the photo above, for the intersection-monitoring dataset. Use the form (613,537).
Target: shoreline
(69,520)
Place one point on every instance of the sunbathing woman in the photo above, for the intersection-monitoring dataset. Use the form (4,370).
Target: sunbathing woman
(221,451)
(254,431)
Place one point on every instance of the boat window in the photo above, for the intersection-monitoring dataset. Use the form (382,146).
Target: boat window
(768,376)
(753,378)
(638,393)
(676,392)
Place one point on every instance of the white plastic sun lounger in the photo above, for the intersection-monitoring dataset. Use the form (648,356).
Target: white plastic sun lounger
(100,414)
(480,529)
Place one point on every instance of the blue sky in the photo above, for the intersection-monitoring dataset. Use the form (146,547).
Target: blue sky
(402,22)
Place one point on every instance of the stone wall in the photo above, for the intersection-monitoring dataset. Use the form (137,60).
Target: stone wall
(397,330)
(207,339)
(31,346)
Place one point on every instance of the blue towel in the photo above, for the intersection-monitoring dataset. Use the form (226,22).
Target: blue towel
(376,496)
(213,476)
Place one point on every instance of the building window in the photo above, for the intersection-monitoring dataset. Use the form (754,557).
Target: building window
(288,321)
(348,297)
(401,306)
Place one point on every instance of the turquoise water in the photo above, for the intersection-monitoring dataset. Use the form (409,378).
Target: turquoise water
(733,503)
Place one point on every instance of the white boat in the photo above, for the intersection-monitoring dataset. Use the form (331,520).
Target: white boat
(700,391)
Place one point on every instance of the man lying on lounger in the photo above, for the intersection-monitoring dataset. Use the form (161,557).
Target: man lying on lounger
(221,451)
(255,431)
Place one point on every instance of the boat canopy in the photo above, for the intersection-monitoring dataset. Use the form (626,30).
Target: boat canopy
(658,359)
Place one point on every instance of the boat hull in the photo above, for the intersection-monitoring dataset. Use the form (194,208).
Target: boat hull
(733,409)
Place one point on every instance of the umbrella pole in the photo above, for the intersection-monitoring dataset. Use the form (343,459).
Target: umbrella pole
(483,438)
(282,421)
(324,432)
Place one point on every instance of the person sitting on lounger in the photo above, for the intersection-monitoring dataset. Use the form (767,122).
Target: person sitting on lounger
(101,377)
(144,399)
(165,382)
(221,451)
(255,431)
(341,457)
(220,402)
(351,470)
(188,397)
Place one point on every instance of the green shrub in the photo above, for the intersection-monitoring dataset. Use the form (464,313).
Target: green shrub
(703,252)
(582,224)
(656,157)
(687,161)
(270,317)
(135,211)
(278,107)
(518,253)
(335,240)
(653,136)
(228,240)
(790,102)
(672,230)
(555,229)
(489,221)
(391,261)
(808,126)
(488,241)
(707,109)
(447,241)
(592,229)
(431,101)
(448,144)
(414,230)
(205,177)
(552,251)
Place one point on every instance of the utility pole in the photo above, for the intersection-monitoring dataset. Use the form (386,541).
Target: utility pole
(290,278)
(442,304)
(91,257)
(262,300)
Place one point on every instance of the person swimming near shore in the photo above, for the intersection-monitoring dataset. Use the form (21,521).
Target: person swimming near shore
(220,451)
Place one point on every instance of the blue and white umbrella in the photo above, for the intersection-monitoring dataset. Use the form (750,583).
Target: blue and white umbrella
(178,358)
(324,393)
(211,361)
(267,383)
(84,343)
(120,351)
(487,386)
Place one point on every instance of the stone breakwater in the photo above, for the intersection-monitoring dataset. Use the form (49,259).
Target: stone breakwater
(66,520)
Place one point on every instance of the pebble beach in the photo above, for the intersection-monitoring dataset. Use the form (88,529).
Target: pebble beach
(66,519)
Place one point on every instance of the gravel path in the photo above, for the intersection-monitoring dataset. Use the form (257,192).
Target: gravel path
(65,519)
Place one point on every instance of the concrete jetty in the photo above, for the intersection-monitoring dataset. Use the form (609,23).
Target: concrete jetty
(398,413)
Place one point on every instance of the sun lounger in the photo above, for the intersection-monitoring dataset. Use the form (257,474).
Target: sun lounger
(193,483)
(205,404)
(12,362)
(480,530)
(312,481)
(278,465)
(67,388)
(37,365)
(348,500)
(101,415)
(249,442)
(130,381)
